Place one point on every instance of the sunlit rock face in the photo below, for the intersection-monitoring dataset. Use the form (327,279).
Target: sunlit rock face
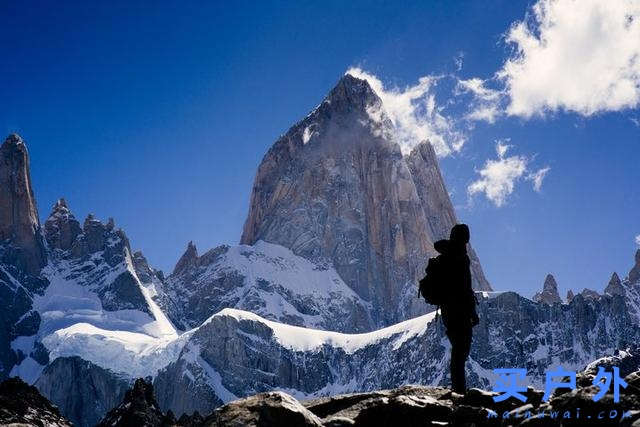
(337,187)
(19,222)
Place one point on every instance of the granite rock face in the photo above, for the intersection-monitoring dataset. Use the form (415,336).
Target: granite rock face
(634,274)
(19,221)
(265,279)
(336,187)
(22,252)
(549,294)
(83,391)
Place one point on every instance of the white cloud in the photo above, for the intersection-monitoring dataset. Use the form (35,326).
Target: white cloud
(537,178)
(635,121)
(575,55)
(415,114)
(498,177)
(638,240)
(485,105)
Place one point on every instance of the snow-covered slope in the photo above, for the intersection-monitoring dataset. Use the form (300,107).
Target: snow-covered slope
(93,295)
(268,280)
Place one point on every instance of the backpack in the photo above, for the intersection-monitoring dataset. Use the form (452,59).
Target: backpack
(432,285)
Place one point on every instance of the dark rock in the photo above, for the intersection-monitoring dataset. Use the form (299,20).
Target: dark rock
(61,228)
(634,274)
(615,286)
(139,408)
(22,404)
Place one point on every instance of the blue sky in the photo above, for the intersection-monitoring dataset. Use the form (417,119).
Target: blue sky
(159,115)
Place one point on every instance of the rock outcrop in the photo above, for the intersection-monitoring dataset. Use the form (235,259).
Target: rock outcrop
(590,294)
(139,408)
(615,286)
(337,187)
(268,280)
(634,274)
(570,295)
(22,405)
(62,227)
(549,294)
(20,231)
(410,405)
(83,391)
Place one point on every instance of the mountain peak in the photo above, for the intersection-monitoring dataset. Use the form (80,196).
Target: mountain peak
(549,294)
(352,93)
(615,286)
(570,295)
(19,221)
(14,139)
(187,259)
(61,228)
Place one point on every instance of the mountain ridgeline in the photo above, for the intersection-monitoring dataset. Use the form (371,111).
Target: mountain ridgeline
(319,298)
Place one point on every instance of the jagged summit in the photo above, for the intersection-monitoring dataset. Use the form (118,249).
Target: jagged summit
(188,259)
(615,286)
(549,294)
(570,295)
(14,139)
(336,187)
(62,227)
(352,92)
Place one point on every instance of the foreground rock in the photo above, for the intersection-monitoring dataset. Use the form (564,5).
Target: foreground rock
(22,404)
(405,406)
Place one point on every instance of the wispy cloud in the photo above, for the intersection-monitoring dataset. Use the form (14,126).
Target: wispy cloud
(638,240)
(498,177)
(537,177)
(485,103)
(415,114)
(580,56)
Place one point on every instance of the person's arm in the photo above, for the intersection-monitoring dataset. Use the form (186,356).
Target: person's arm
(471,298)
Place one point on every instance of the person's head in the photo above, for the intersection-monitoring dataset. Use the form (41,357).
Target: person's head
(459,234)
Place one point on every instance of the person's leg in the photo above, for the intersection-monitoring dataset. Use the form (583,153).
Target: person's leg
(460,346)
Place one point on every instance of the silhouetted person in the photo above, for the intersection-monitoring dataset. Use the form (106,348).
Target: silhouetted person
(459,310)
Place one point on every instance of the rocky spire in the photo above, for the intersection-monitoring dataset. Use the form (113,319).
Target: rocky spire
(549,294)
(634,274)
(615,286)
(570,295)
(61,228)
(19,222)
(187,260)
